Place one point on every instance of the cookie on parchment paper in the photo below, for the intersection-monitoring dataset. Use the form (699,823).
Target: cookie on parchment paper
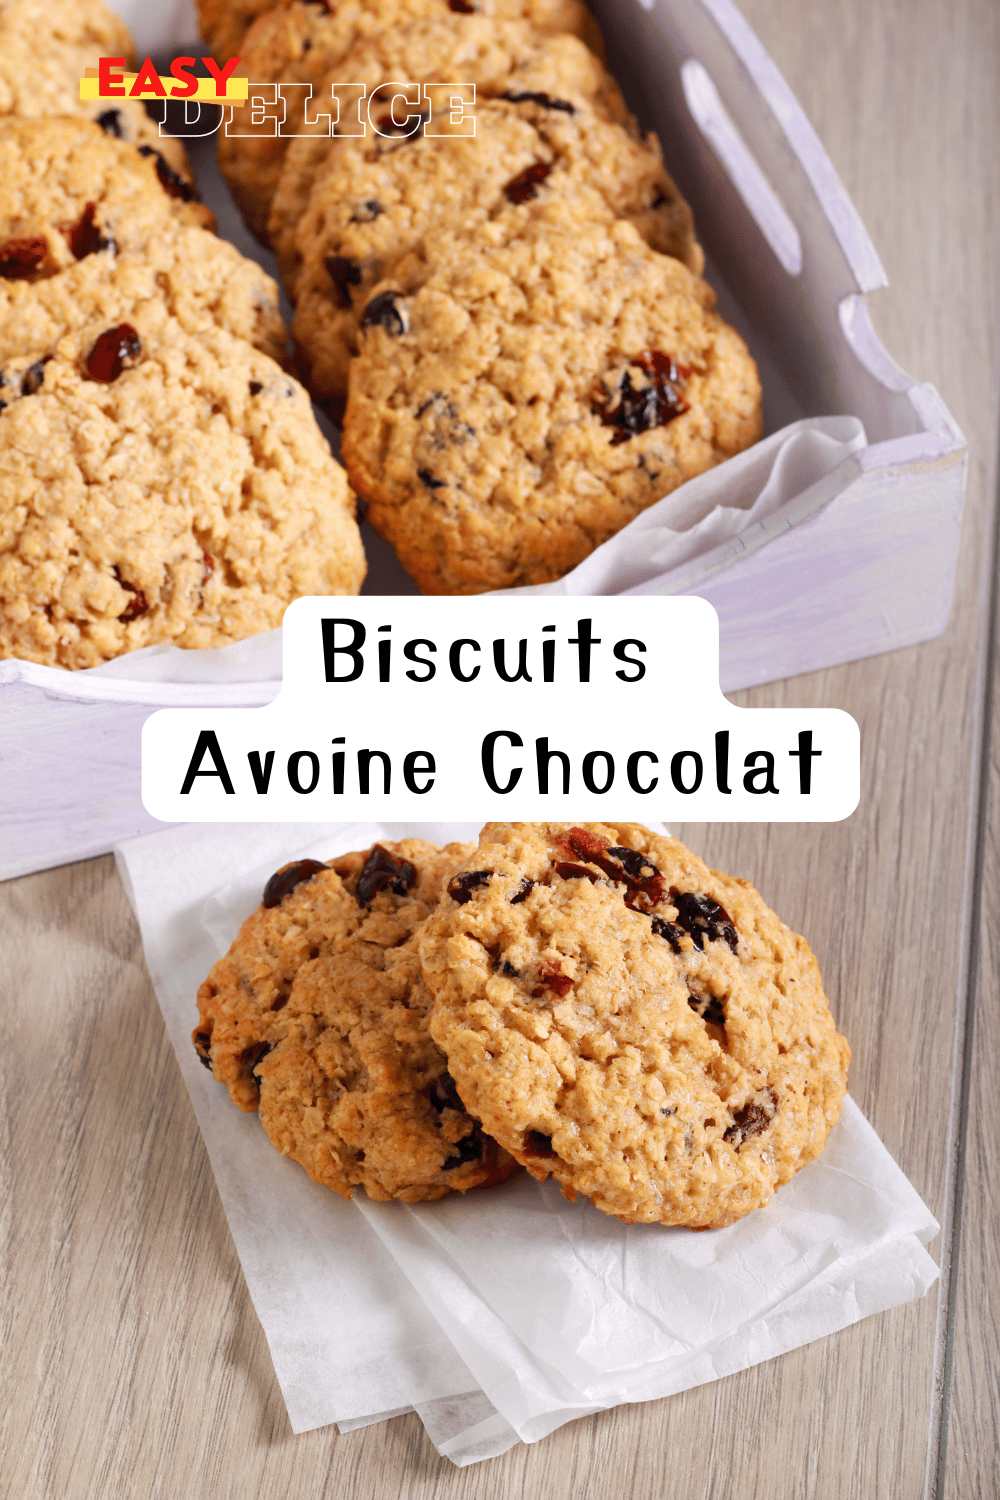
(317,1018)
(641,1028)
(523,390)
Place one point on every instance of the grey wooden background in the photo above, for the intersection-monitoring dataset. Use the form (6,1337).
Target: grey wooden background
(132,1364)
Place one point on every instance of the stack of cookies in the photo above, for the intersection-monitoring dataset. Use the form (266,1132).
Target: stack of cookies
(162,477)
(512,325)
(588,1002)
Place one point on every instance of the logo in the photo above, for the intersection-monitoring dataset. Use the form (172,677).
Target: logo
(287,110)
(104,82)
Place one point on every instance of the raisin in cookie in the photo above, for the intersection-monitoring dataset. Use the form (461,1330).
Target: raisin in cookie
(67,183)
(373,202)
(641,1028)
(159,485)
(317,1017)
(525,389)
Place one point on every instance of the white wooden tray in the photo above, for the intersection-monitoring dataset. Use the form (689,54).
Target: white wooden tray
(866,567)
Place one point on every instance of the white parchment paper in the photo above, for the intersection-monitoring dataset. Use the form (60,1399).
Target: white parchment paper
(502,1315)
(779,483)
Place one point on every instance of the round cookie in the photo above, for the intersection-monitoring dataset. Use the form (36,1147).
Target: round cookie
(44,50)
(559,67)
(413,40)
(51,169)
(641,1028)
(157,485)
(373,202)
(317,1017)
(85,224)
(525,389)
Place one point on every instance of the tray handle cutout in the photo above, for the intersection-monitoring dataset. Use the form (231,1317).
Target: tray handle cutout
(741,166)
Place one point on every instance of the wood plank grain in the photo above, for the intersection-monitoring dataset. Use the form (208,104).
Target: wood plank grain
(132,1359)
(969,1466)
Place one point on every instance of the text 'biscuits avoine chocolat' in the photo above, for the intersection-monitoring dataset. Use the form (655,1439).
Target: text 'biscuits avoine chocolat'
(641,1028)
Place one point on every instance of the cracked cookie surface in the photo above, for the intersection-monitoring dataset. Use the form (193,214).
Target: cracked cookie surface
(641,1028)
(316,1018)
(523,390)
(51,170)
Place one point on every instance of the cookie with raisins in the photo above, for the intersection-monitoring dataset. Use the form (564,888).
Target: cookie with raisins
(373,201)
(160,485)
(538,384)
(371,43)
(85,227)
(224,24)
(317,1019)
(45,48)
(639,1027)
(80,190)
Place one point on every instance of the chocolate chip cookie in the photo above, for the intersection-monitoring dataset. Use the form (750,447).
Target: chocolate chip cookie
(317,1018)
(523,390)
(373,201)
(499,61)
(639,1027)
(160,485)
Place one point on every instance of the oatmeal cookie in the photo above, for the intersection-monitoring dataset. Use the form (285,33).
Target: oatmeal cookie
(374,201)
(41,78)
(525,389)
(317,1017)
(224,23)
(85,227)
(50,170)
(305,44)
(556,67)
(641,1028)
(86,230)
(202,281)
(160,485)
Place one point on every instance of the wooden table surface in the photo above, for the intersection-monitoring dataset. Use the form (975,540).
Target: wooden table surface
(132,1361)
